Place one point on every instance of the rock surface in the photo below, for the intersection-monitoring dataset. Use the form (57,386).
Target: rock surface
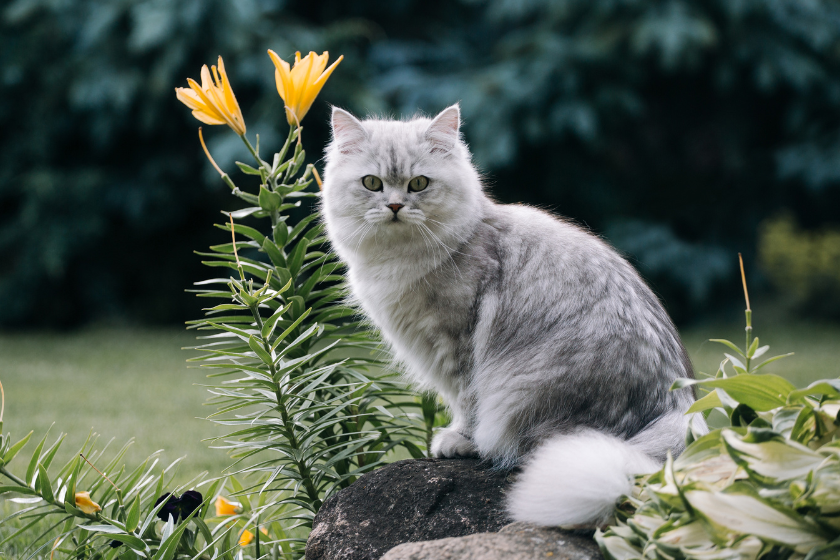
(517,541)
(408,501)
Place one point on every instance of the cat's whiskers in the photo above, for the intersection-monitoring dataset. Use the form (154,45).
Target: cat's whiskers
(367,227)
(449,229)
(430,245)
(447,250)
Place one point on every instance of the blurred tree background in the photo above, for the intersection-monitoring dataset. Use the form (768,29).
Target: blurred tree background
(683,131)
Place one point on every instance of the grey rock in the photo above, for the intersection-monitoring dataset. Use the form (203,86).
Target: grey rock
(517,541)
(407,501)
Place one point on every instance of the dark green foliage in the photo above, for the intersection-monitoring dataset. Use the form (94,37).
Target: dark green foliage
(672,126)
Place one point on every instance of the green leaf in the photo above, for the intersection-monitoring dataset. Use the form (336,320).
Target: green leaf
(767,454)
(70,496)
(295,259)
(269,201)
(281,234)
(13,450)
(243,213)
(829,387)
(132,519)
(271,322)
(727,343)
(771,360)
(33,462)
(130,540)
(257,347)
(749,515)
(753,347)
(274,253)
(759,392)
(293,326)
(109,529)
(248,232)
(247,169)
(25,490)
(43,484)
(712,400)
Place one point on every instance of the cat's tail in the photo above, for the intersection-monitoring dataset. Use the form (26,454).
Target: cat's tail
(576,479)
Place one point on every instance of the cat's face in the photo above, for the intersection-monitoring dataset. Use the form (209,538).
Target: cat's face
(394,184)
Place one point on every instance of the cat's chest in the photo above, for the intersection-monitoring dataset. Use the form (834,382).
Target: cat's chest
(427,322)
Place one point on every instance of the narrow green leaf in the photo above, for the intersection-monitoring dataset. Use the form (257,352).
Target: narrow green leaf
(258,349)
(274,253)
(248,232)
(727,343)
(13,450)
(33,462)
(132,519)
(286,333)
(247,169)
(271,322)
(43,484)
(130,540)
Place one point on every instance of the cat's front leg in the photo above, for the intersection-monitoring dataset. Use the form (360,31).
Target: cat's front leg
(452,442)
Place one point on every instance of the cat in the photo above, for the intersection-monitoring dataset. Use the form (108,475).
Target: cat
(546,345)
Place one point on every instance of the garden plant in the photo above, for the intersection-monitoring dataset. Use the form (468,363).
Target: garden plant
(766,484)
(302,387)
(309,402)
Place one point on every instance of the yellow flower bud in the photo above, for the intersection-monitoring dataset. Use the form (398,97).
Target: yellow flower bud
(226,507)
(84,503)
(246,537)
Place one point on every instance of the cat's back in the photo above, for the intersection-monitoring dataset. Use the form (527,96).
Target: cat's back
(534,246)
(559,285)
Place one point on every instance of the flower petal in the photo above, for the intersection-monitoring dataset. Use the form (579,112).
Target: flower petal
(246,537)
(84,503)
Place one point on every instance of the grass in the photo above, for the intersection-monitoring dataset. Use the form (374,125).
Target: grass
(125,383)
(120,383)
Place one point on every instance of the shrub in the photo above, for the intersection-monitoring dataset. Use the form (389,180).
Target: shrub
(805,265)
(765,485)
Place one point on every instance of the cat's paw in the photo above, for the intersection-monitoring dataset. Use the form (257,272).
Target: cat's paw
(449,443)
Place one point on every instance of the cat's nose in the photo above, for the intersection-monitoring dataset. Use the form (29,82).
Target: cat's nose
(395,207)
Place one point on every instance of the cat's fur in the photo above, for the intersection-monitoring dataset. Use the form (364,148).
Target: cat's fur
(547,347)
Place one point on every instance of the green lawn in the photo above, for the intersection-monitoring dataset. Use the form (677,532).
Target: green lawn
(120,383)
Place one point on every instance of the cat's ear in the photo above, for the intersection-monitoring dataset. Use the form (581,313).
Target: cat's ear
(347,131)
(443,133)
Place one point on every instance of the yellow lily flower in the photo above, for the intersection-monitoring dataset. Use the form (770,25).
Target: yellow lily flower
(84,503)
(213,101)
(247,536)
(300,85)
(226,507)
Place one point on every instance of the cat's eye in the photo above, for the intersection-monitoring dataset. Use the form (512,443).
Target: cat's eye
(372,183)
(418,183)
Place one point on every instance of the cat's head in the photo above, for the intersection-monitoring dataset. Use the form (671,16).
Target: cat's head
(399,185)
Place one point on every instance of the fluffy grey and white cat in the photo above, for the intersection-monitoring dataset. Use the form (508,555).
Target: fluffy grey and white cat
(548,348)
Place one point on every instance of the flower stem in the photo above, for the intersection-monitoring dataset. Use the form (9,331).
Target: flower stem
(256,156)
(747,313)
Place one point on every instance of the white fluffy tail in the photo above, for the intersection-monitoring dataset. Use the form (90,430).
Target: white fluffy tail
(575,479)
